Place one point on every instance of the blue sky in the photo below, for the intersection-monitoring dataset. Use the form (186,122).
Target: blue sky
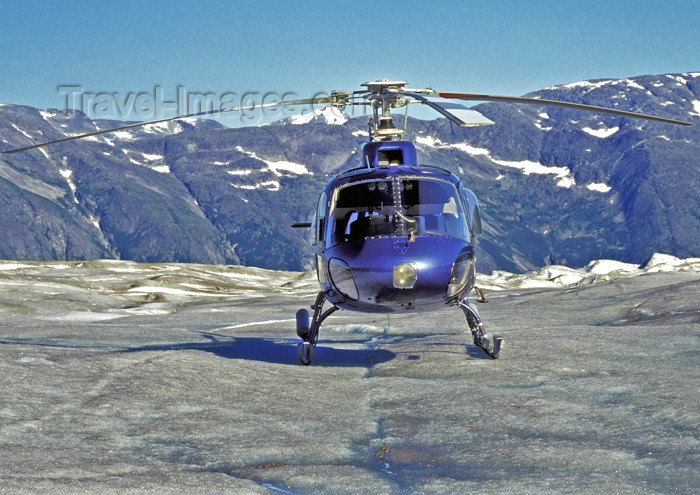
(491,46)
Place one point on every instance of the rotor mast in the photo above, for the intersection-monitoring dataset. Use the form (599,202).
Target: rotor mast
(385,94)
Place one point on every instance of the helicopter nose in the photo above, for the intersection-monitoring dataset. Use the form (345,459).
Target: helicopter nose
(404,276)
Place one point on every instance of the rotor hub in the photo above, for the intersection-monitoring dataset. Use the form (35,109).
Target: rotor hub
(384,84)
(385,94)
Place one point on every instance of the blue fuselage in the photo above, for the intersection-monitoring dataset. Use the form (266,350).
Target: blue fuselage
(395,237)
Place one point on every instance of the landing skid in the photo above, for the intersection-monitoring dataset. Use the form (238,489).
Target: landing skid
(491,344)
(309,332)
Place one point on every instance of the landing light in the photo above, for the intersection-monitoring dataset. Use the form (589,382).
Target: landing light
(405,276)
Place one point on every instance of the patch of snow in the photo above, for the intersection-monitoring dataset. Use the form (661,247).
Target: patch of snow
(593,85)
(568,182)
(271,185)
(696,108)
(96,139)
(472,150)
(163,169)
(67,174)
(94,221)
(23,132)
(601,133)
(277,167)
(243,186)
(328,115)
(123,135)
(429,141)
(164,127)
(360,133)
(599,187)
(529,167)
(240,172)
(680,81)
(583,84)
(526,166)
(152,157)
(46,115)
(633,84)
(294,168)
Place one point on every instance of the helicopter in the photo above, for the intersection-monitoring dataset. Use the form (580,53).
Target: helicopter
(393,235)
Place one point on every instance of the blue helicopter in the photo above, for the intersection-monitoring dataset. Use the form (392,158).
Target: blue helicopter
(394,235)
(397,236)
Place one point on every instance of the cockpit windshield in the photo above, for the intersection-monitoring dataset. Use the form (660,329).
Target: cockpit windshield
(399,206)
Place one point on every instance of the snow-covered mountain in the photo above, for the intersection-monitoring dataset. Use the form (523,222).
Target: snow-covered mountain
(322,115)
(556,186)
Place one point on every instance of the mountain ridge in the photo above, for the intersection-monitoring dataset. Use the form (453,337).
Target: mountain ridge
(556,186)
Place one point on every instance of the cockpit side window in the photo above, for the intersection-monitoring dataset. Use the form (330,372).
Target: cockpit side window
(473,215)
(320,219)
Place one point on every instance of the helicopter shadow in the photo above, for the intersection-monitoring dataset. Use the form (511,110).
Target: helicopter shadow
(276,351)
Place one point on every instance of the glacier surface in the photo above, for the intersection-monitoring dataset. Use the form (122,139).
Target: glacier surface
(122,377)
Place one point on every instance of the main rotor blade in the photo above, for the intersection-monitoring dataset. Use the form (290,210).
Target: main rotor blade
(304,101)
(563,104)
(457,113)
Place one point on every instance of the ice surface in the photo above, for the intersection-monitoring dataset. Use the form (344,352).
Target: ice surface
(120,377)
